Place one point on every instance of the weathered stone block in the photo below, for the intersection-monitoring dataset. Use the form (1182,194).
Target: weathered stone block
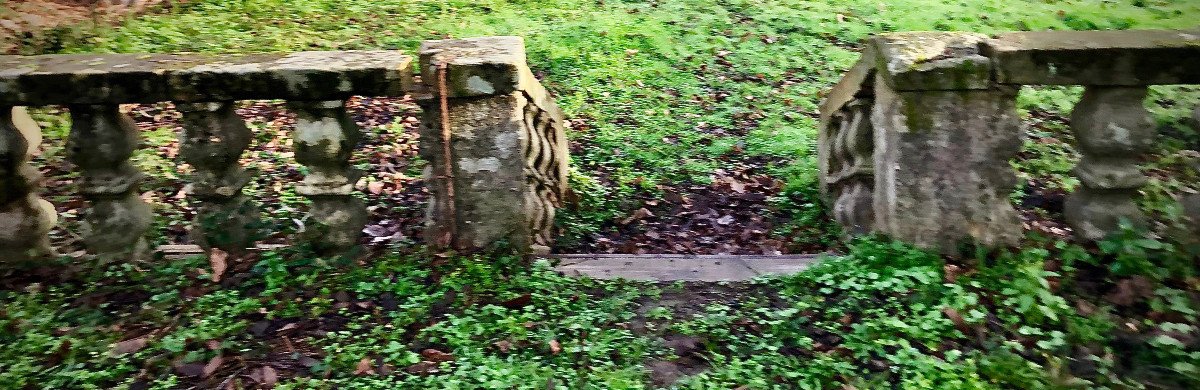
(82,79)
(487,172)
(1113,130)
(145,78)
(942,166)
(920,61)
(1105,58)
(499,153)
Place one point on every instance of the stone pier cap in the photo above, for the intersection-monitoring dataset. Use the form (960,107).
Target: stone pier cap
(148,78)
(475,67)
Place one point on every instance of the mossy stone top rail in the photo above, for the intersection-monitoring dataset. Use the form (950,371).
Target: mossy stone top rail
(916,138)
(1101,58)
(148,78)
(491,133)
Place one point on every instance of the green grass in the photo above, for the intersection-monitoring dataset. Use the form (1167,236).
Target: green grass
(877,318)
(728,81)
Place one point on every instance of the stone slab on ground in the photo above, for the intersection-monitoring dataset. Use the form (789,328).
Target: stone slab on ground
(658,268)
(688,268)
(149,78)
(1109,58)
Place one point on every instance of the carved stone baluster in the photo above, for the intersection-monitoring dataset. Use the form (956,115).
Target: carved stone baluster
(24,218)
(214,137)
(1113,129)
(854,205)
(101,141)
(325,139)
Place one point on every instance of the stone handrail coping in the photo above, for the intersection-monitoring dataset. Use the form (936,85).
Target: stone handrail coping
(147,78)
(1103,58)
(957,61)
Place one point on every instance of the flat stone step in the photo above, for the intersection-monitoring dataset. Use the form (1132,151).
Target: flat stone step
(660,268)
(688,268)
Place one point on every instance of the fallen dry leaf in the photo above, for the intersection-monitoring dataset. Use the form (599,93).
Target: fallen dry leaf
(364,367)
(518,302)
(216,258)
(640,214)
(190,369)
(212,366)
(422,368)
(436,356)
(270,377)
(129,346)
(289,326)
(957,319)
(1130,291)
(376,187)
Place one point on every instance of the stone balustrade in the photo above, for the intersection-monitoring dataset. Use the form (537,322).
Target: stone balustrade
(493,135)
(916,138)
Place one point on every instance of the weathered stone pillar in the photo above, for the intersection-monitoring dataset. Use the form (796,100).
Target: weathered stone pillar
(944,135)
(325,139)
(496,145)
(24,218)
(213,140)
(1113,129)
(101,141)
